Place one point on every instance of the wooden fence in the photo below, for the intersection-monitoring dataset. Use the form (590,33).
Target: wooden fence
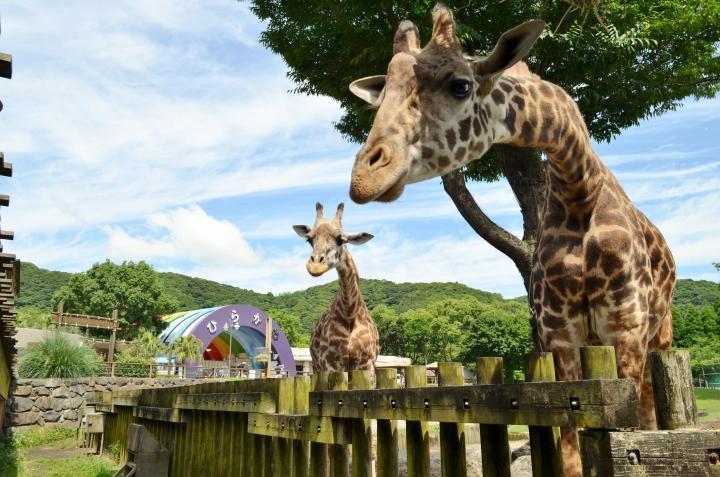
(316,425)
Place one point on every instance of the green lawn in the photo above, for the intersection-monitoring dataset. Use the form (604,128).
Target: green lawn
(708,401)
(50,452)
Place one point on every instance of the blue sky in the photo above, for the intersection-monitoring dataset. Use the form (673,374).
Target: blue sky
(164,131)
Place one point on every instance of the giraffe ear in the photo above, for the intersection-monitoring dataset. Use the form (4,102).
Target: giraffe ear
(369,89)
(358,238)
(302,231)
(512,46)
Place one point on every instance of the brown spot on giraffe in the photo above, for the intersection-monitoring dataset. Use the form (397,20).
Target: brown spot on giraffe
(611,288)
(345,338)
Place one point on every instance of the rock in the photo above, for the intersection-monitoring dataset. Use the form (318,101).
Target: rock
(23,390)
(51,416)
(45,403)
(78,389)
(100,388)
(42,391)
(70,415)
(24,419)
(521,451)
(21,404)
(54,383)
(60,392)
(72,403)
(102,381)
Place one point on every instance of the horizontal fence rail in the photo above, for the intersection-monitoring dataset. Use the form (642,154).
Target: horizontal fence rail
(320,427)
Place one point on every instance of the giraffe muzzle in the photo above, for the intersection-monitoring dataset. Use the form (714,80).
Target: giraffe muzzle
(316,269)
(378,175)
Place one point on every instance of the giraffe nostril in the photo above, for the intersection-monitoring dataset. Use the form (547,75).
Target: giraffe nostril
(375,157)
(321,259)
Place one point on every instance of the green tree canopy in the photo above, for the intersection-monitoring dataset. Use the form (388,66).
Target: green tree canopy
(130,287)
(290,324)
(622,60)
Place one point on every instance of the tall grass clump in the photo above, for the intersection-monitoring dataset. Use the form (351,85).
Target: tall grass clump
(57,357)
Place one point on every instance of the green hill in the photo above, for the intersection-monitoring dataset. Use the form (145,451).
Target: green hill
(38,286)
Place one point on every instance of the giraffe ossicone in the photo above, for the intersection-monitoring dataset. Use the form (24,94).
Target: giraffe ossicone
(602,272)
(345,338)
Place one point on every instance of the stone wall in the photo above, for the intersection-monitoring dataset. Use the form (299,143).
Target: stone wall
(61,402)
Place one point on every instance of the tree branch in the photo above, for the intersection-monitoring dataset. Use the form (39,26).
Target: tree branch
(518,251)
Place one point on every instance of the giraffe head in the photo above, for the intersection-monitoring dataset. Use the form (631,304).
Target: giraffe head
(327,240)
(431,115)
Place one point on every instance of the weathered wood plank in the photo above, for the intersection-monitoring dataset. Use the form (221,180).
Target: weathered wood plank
(686,453)
(228,402)
(452,435)
(361,430)
(319,453)
(165,414)
(301,449)
(545,449)
(283,446)
(416,432)
(387,431)
(604,404)
(494,444)
(339,454)
(675,406)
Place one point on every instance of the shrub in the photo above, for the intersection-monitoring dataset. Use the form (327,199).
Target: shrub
(133,361)
(57,357)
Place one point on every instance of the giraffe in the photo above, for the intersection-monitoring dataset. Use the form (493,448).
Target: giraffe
(345,338)
(602,272)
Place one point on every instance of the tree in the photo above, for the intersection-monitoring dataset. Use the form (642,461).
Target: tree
(150,344)
(130,287)
(391,329)
(623,61)
(417,335)
(290,324)
(187,348)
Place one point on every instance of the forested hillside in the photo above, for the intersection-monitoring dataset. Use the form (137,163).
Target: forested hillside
(38,285)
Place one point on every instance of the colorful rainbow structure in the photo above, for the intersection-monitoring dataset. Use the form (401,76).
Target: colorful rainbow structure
(245,323)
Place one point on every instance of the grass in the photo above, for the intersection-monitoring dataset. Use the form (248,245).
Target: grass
(708,402)
(49,452)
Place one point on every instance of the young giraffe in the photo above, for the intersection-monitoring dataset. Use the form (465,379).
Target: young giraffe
(345,338)
(603,273)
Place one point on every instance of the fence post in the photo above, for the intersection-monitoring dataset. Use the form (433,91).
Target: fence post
(338,381)
(494,444)
(416,432)
(452,435)
(283,448)
(319,453)
(598,362)
(301,449)
(387,432)
(545,450)
(675,406)
(361,430)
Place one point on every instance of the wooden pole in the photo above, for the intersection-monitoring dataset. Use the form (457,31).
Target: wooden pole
(387,431)
(283,447)
(319,453)
(301,449)
(494,444)
(361,430)
(416,432)
(338,381)
(61,308)
(452,435)
(113,335)
(675,405)
(598,362)
(545,450)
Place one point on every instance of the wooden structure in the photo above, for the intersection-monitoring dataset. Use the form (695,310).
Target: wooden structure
(60,318)
(9,280)
(300,427)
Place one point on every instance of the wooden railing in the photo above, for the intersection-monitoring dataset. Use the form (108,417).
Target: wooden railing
(312,426)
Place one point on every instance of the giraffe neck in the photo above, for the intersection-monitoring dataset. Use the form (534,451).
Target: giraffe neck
(541,115)
(348,299)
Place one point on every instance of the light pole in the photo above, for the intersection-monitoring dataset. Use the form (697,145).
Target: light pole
(226,327)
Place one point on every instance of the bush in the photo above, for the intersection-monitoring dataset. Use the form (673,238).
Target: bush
(133,362)
(57,357)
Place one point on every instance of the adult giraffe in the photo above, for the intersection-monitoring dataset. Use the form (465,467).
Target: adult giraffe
(602,272)
(345,338)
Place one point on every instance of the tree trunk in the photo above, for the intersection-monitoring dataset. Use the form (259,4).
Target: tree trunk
(526,174)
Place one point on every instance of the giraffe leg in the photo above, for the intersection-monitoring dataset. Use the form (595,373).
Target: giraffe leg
(661,341)
(567,368)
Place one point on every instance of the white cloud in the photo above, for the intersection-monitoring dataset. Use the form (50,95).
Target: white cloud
(185,233)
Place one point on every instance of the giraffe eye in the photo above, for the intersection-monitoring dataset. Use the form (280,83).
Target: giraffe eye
(460,88)
(339,239)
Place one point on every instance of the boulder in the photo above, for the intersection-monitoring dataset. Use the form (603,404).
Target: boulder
(60,392)
(70,415)
(20,404)
(78,389)
(45,403)
(42,391)
(24,419)
(23,390)
(72,403)
(51,416)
